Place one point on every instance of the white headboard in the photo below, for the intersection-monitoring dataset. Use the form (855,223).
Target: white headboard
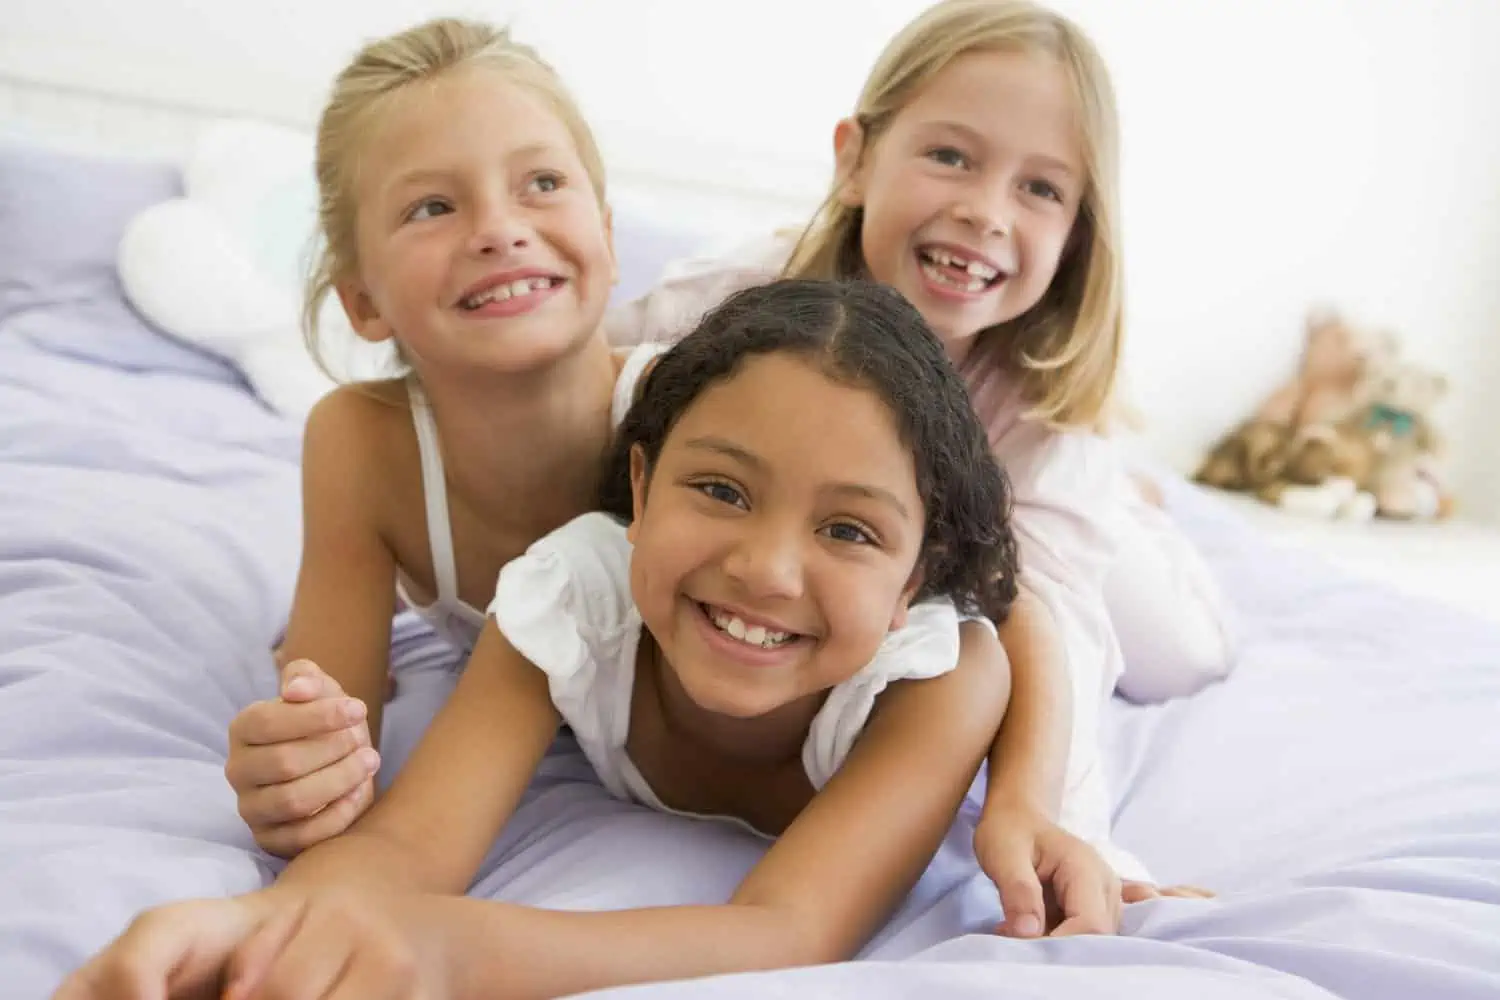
(758,194)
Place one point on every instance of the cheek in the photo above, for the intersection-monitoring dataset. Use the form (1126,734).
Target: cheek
(581,226)
(419,260)
(1048,240)
(657,567)
(861,610)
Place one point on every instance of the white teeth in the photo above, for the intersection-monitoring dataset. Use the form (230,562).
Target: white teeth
(948,278)
(522,286)
(751,635)
(977,270)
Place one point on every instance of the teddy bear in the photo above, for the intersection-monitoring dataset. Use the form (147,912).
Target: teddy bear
(1409,479)
(1325,390)
(1384,459)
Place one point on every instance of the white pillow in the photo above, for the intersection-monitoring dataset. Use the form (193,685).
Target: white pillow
(223,266)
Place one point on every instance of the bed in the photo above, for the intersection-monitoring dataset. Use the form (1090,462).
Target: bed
(1341,791)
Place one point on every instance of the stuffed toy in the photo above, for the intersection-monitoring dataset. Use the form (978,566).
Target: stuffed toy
(1385,459)
(1325,390)
(1409,479)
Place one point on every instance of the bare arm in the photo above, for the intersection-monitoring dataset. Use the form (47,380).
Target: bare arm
(818,895)
(346,587)
(1029,757)
(430,832)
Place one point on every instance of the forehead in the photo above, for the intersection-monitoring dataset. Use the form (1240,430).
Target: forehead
(787,411)
(1016,97)
(460,115)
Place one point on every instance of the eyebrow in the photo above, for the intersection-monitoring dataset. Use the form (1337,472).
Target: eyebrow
(429,174)
(733,451)
(973,135)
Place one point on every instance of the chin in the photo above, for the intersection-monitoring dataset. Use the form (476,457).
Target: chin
(531,356)
(729,701)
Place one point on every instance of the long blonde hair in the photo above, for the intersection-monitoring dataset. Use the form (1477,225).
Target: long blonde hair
(366,87)
(1067,347)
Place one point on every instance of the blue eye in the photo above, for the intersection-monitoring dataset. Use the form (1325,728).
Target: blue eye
(948,156)
(846,532)
(724,493)
(547,183)
(428,208)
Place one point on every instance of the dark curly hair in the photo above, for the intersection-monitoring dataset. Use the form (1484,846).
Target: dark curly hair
(864,334)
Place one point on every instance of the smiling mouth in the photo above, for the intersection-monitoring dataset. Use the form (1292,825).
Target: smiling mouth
(509,290)
(751,635)
(956,271)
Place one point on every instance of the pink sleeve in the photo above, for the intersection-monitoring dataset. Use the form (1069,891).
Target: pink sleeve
(1138,606)
(1066,522)
(690,288)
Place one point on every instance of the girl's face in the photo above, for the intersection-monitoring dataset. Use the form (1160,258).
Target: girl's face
(481,242)
(777,538)
(970,193)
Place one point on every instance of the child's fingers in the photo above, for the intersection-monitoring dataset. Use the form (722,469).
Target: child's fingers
(176,951)
(1089,896)
(1186,892)
(276,721)
(304,680)
(290,839)
(290,801)
(253,766)
(252,959)
(1137,892)
(1009,865)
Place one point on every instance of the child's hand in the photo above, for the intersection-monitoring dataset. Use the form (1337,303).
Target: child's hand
(1020,849)
(1139,892)
(177,952)
(301,765)
(333,944)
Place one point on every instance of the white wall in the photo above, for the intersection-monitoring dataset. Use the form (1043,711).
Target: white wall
(1277,154)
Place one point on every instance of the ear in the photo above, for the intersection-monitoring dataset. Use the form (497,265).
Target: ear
(609,241)
(363,316)
(908,594)
(640,475)
(848,162)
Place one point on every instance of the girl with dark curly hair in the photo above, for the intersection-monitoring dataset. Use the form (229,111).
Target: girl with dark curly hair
(761,627)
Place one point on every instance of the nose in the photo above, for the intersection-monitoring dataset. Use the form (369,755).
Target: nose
(499,227)
(987,207)
(767,561)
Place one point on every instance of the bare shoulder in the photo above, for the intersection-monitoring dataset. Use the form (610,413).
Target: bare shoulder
(359,442)
(974,691)
(359,419)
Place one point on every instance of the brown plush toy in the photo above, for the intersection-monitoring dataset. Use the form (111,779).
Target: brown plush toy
(1325,391)
(1383,459)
